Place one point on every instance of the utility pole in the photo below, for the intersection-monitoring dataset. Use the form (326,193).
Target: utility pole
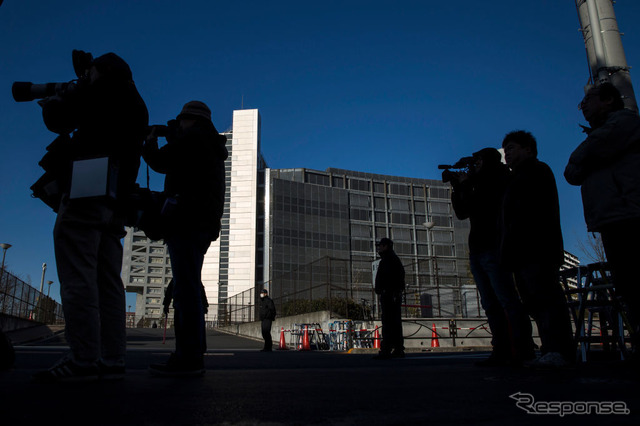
(607,61)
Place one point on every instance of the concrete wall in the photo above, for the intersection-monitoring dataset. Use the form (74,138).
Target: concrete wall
(470,333)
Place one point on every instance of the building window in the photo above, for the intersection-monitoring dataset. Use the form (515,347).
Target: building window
(359,200)
(362,231)
(381,217)
(317,179)
(400,218)
(439,192)
(360,185)
(357,214)
(398,189)
(401,234)
(400,204)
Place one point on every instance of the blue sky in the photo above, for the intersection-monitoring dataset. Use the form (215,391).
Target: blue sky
(390,87)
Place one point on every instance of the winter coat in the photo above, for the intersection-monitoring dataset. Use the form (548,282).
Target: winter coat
(193,162)
(479,199)
(267,309)
(607,167)
(530,227)
(108,119)
(390,275)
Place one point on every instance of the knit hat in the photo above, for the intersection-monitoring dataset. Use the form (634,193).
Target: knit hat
(113,67)
(195,109)
(385,242)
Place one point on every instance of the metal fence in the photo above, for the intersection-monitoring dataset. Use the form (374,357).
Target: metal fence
(19,299)
(329,284)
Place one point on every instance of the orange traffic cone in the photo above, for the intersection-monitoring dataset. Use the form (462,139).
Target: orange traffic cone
(305,340)
(434,337)
(283,342)
(376,339)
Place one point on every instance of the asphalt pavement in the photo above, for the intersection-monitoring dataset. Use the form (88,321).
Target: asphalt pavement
(243,386)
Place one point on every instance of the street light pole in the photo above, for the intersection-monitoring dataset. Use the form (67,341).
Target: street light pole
(44,269)
(49,289)
(5,247)
(434,260)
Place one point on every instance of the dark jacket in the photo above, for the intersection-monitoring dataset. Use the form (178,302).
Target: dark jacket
(193,162)
(390,275)
(479,199)
(108,119)
(267,309)
(607,166)
(530,228)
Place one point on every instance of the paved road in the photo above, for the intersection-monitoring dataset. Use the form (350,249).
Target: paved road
(243,386)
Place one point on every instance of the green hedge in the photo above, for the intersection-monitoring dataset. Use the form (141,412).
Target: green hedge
(343,307)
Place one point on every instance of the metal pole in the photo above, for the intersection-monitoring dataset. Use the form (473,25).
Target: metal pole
(44,269)
(605,52)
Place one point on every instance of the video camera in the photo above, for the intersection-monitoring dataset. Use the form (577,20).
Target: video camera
(462,166)
(23,91)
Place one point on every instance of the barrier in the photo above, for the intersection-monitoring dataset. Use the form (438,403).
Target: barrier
(434,337)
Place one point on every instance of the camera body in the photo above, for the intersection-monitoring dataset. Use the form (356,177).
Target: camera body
(166,131)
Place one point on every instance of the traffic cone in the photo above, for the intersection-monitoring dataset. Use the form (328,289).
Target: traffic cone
(283,343)
(434,337)
(376,339)
(305,339)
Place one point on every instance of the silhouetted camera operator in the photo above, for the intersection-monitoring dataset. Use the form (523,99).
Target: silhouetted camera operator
(477,195)
(90,175)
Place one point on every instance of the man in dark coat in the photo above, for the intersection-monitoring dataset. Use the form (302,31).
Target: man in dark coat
(477,196)
(267,316)
(193,162)
(607,167)
(532,248)
(109,120)
(389,286)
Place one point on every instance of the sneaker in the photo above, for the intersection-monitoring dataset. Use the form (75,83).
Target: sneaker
(66,370)
(494,360)
(176,367)
(111,372)
(397,354)
(550,360)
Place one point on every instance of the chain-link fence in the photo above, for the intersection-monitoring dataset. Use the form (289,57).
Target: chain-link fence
(19,299)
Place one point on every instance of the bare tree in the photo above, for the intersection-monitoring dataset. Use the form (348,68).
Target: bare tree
(592,248)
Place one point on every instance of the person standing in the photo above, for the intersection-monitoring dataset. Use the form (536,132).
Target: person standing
(267,316)
(606,165)
(109,120)
(532,247)
(389,285)
(194,186)
(477,196)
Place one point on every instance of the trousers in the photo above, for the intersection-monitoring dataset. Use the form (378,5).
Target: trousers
(88,252)
(187,249)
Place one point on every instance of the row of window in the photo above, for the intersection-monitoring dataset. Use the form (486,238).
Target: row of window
(376,187)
